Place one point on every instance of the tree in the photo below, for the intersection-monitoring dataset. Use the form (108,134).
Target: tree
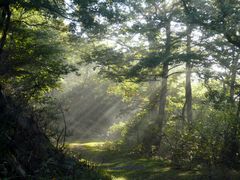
(220,16)
(225,55)
(151,61)
(33,62)
(188,88)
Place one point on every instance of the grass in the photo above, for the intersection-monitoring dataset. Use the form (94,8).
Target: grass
(122,167)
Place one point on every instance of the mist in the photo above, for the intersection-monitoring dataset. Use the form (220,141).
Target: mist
(89,108)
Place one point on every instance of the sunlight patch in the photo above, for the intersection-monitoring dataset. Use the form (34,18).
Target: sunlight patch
(92,144)
(89,144)
(118,178)
(184,173)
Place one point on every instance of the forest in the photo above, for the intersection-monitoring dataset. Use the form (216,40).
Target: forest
(119,89)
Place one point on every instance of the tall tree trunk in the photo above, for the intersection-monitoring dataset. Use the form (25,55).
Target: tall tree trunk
(5,23)
(231,142)
(233,72)
(238,110)
(188,88)
(163,91)
(163,96)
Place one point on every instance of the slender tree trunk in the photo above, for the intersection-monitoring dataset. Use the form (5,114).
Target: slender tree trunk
(188,88)
(233,76)
(163,96)
(5,23)
(234,142)
(163,91)
(238,111)
(231,142)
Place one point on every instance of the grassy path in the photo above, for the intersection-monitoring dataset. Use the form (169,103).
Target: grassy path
(122,167)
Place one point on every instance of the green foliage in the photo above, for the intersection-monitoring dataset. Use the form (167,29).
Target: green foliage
(88,12)
(151,42)
(127,90)
(35,59)
(219,16)
(117,130)
(203,141)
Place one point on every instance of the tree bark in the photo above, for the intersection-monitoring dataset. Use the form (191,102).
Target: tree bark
(6,15)
(163,96)
(188,88)
(163,91)
(233,73)
(231,142)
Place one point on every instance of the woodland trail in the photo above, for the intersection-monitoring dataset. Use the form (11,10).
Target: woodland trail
(127,167)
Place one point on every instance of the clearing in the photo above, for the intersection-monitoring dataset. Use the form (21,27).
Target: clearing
(126,167)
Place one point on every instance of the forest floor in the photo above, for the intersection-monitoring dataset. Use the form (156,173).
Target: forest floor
(125,167)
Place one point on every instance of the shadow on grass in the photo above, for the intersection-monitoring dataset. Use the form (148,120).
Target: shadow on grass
(122,167)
